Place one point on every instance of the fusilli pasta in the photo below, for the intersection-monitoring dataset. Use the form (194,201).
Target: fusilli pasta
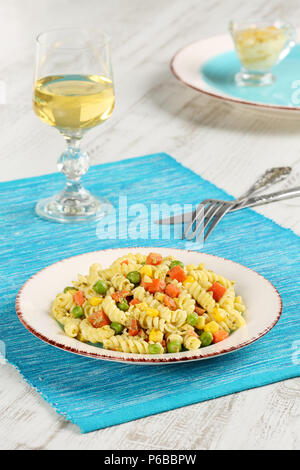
(149,305)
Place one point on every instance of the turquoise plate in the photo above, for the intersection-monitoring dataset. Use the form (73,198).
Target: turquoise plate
(210,66)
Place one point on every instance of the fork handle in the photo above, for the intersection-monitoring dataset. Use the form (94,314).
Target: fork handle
(268,198)
(268,178)
(252,202)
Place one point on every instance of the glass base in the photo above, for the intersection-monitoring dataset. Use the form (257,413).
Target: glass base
(66,207)
(245,78)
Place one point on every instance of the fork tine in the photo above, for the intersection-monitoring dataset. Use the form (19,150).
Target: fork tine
(199,221)
(194,217)
(207,219)
(191,234)
(203,219)
(219,216)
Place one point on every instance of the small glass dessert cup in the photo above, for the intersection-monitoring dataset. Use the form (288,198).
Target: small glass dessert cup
(260,46)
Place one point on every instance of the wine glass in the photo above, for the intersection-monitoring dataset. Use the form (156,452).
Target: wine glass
(73,91)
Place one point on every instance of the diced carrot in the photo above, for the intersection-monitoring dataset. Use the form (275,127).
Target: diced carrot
(134,302)
(117,296)
(124,262)
(177,273)
(218,291)
(157,285)
(220,335)
(134,330)
(199,311)
(154,259)
(99,319)
(172,291)
(79,298)
(170,303)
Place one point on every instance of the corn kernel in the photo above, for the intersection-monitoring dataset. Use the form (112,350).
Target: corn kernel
(95,301)
(156,336)
(201,323)
(212,326)
(152,312)
(219,317)
(189,280)
(146,270)
(159,296)
(142,306)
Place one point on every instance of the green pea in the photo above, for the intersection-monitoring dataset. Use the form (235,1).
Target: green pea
(66,289)
(100,287)
(206,338)
(154,349)
(176,263)
(192,319)
(123,305)
(173,346)
(77,311)
(134,277)
(117,327)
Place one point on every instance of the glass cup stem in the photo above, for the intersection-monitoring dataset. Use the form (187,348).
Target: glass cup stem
(253,78)
(74,203)
(73,162)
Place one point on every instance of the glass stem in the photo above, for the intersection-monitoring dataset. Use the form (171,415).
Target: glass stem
(74,203)
(73,163)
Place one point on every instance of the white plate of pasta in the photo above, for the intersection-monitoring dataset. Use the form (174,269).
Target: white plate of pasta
(148,305)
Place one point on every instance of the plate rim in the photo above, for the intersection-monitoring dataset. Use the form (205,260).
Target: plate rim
(144,359)
(219,95)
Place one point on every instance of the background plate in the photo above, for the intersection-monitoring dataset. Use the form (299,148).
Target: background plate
(209,66)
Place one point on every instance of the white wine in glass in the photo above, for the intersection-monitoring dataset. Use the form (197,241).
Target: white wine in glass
(73,102)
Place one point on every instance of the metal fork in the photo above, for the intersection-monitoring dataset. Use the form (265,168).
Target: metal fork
(263,199)
(218,209)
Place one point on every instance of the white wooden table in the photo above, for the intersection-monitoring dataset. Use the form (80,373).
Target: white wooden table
(154,113)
